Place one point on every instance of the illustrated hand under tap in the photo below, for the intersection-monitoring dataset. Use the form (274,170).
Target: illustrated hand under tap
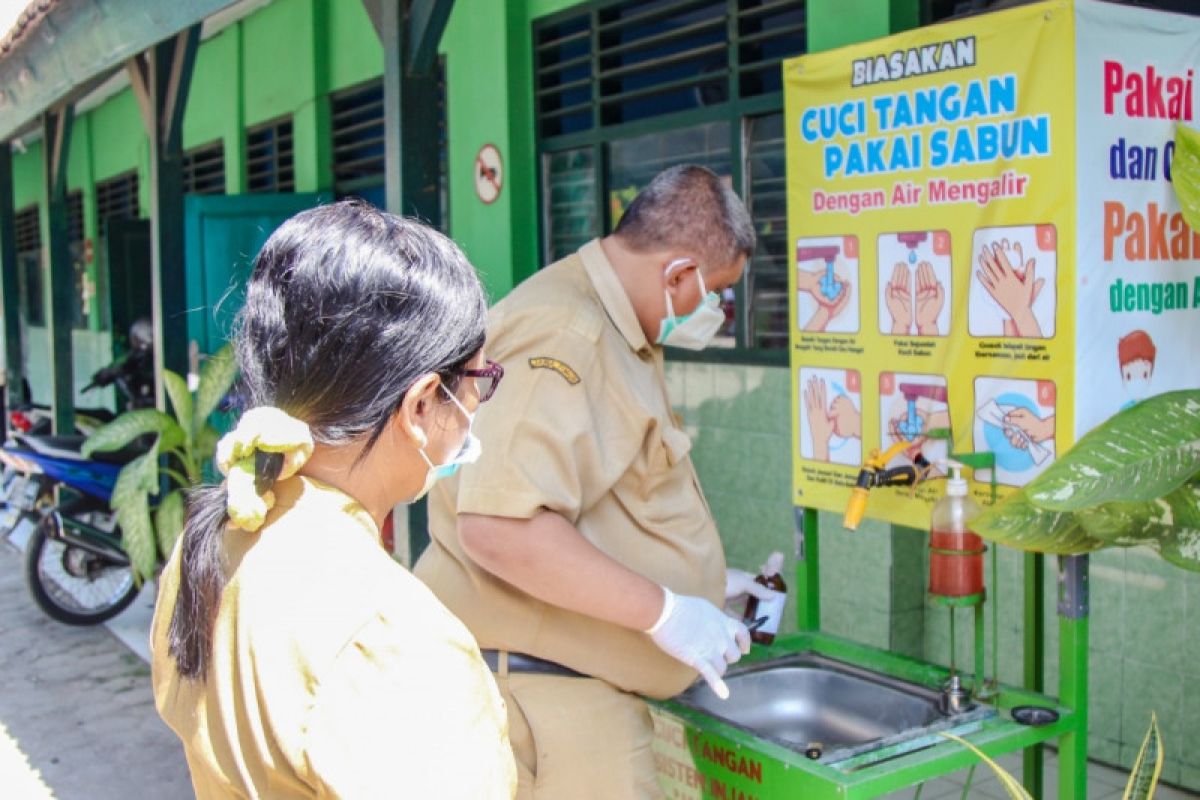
(931,297)
(828,309)
(898,295)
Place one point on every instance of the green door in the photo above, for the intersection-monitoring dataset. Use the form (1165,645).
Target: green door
(223,234)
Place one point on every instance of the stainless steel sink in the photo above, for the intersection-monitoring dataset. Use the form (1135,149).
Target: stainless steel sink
(826,708)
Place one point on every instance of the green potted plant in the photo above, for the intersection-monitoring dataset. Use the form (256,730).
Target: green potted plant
(183,444)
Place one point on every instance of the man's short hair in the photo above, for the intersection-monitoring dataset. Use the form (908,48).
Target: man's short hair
(689,207)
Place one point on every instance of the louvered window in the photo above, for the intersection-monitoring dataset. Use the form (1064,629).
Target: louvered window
(29,265)
(204,169)
(269,161)
(117,198)
(358,138)
(28,230)
(617,63)
(75,217)
(626,89)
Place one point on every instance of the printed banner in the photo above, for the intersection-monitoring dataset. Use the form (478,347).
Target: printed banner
(1138,282)
(931,207)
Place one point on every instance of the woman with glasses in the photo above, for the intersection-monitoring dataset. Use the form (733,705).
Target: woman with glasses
(292,655)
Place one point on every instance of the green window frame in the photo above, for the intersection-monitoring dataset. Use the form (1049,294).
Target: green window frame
(591,67)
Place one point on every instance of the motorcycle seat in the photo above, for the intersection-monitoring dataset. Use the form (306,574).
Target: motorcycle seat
(69,447)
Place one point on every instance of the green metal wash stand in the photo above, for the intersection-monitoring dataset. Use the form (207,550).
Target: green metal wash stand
(708,758)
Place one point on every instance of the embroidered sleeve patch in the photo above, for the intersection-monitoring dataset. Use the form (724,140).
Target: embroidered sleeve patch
(545,362)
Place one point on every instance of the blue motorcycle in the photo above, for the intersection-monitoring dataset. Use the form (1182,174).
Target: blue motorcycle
(75,567)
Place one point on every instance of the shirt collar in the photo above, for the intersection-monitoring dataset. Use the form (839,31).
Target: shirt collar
(612,295)
(304,492)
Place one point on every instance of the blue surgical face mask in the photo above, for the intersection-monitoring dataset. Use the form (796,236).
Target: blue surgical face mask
(692,331)
(467,454)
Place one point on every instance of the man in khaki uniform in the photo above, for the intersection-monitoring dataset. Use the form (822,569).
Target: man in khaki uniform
(579,549)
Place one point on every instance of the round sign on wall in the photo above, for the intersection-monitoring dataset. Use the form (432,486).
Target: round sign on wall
(489,173)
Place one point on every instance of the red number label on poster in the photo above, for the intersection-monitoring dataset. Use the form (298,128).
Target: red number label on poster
(941,243)
(850,246)
(1047,238)
(853,381)
(887,383)
(1047,394)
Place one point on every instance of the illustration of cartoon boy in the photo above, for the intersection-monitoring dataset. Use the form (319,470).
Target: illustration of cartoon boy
(1135,353)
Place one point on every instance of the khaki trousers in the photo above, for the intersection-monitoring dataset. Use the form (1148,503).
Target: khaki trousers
(578,738)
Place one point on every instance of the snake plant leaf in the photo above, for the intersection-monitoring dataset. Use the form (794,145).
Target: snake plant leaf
(181,402)
(168,521)
(1144,777)
(216,376)
(127,427)
(131,500)
(1139,454)
(1011,785)
(1018,523)
(1185,173)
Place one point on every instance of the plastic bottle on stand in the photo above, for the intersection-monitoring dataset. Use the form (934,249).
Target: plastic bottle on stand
(955,552)
(772,610)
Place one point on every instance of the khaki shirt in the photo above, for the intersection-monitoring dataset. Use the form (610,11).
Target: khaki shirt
(581,425)
(334,672)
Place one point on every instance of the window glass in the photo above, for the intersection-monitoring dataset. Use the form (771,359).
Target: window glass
(570,201)
(766,278)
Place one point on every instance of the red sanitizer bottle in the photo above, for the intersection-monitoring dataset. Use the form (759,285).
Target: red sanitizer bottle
(955,553)
(772,609)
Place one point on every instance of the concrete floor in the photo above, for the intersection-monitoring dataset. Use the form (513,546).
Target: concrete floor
(77,719)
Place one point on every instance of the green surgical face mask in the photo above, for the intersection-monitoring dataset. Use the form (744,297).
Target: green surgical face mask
(696,330)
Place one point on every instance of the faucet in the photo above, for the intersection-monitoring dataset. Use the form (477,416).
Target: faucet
(955,698)
(875,473)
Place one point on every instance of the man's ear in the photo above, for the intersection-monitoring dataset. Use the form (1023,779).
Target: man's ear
(678,271)
(416,410)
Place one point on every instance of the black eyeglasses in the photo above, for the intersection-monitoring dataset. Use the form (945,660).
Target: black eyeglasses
(486,379)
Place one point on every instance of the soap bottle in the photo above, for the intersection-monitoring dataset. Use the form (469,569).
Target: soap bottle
(772,610)
(955,552)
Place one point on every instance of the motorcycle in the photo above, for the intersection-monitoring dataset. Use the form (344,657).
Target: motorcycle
(75,567)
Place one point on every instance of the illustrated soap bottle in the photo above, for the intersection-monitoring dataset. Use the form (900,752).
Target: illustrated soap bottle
(771,610)
(955,553)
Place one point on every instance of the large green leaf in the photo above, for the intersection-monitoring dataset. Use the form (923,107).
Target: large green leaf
(1144,776)
(1018,523)
(1139,454)
(127,427)
(216,376)
(168,521)
(1185,173)
(130,499)
(181,402)
(1180,544)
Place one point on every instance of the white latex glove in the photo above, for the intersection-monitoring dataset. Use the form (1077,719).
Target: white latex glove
(739,583)
(699,634)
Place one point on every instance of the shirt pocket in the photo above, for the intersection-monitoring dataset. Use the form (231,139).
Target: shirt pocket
(665,487)
(675,446)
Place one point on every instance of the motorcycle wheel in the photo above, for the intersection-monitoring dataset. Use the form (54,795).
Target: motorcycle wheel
(72,585)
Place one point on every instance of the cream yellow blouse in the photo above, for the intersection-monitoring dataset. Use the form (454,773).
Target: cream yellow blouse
(334,672)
